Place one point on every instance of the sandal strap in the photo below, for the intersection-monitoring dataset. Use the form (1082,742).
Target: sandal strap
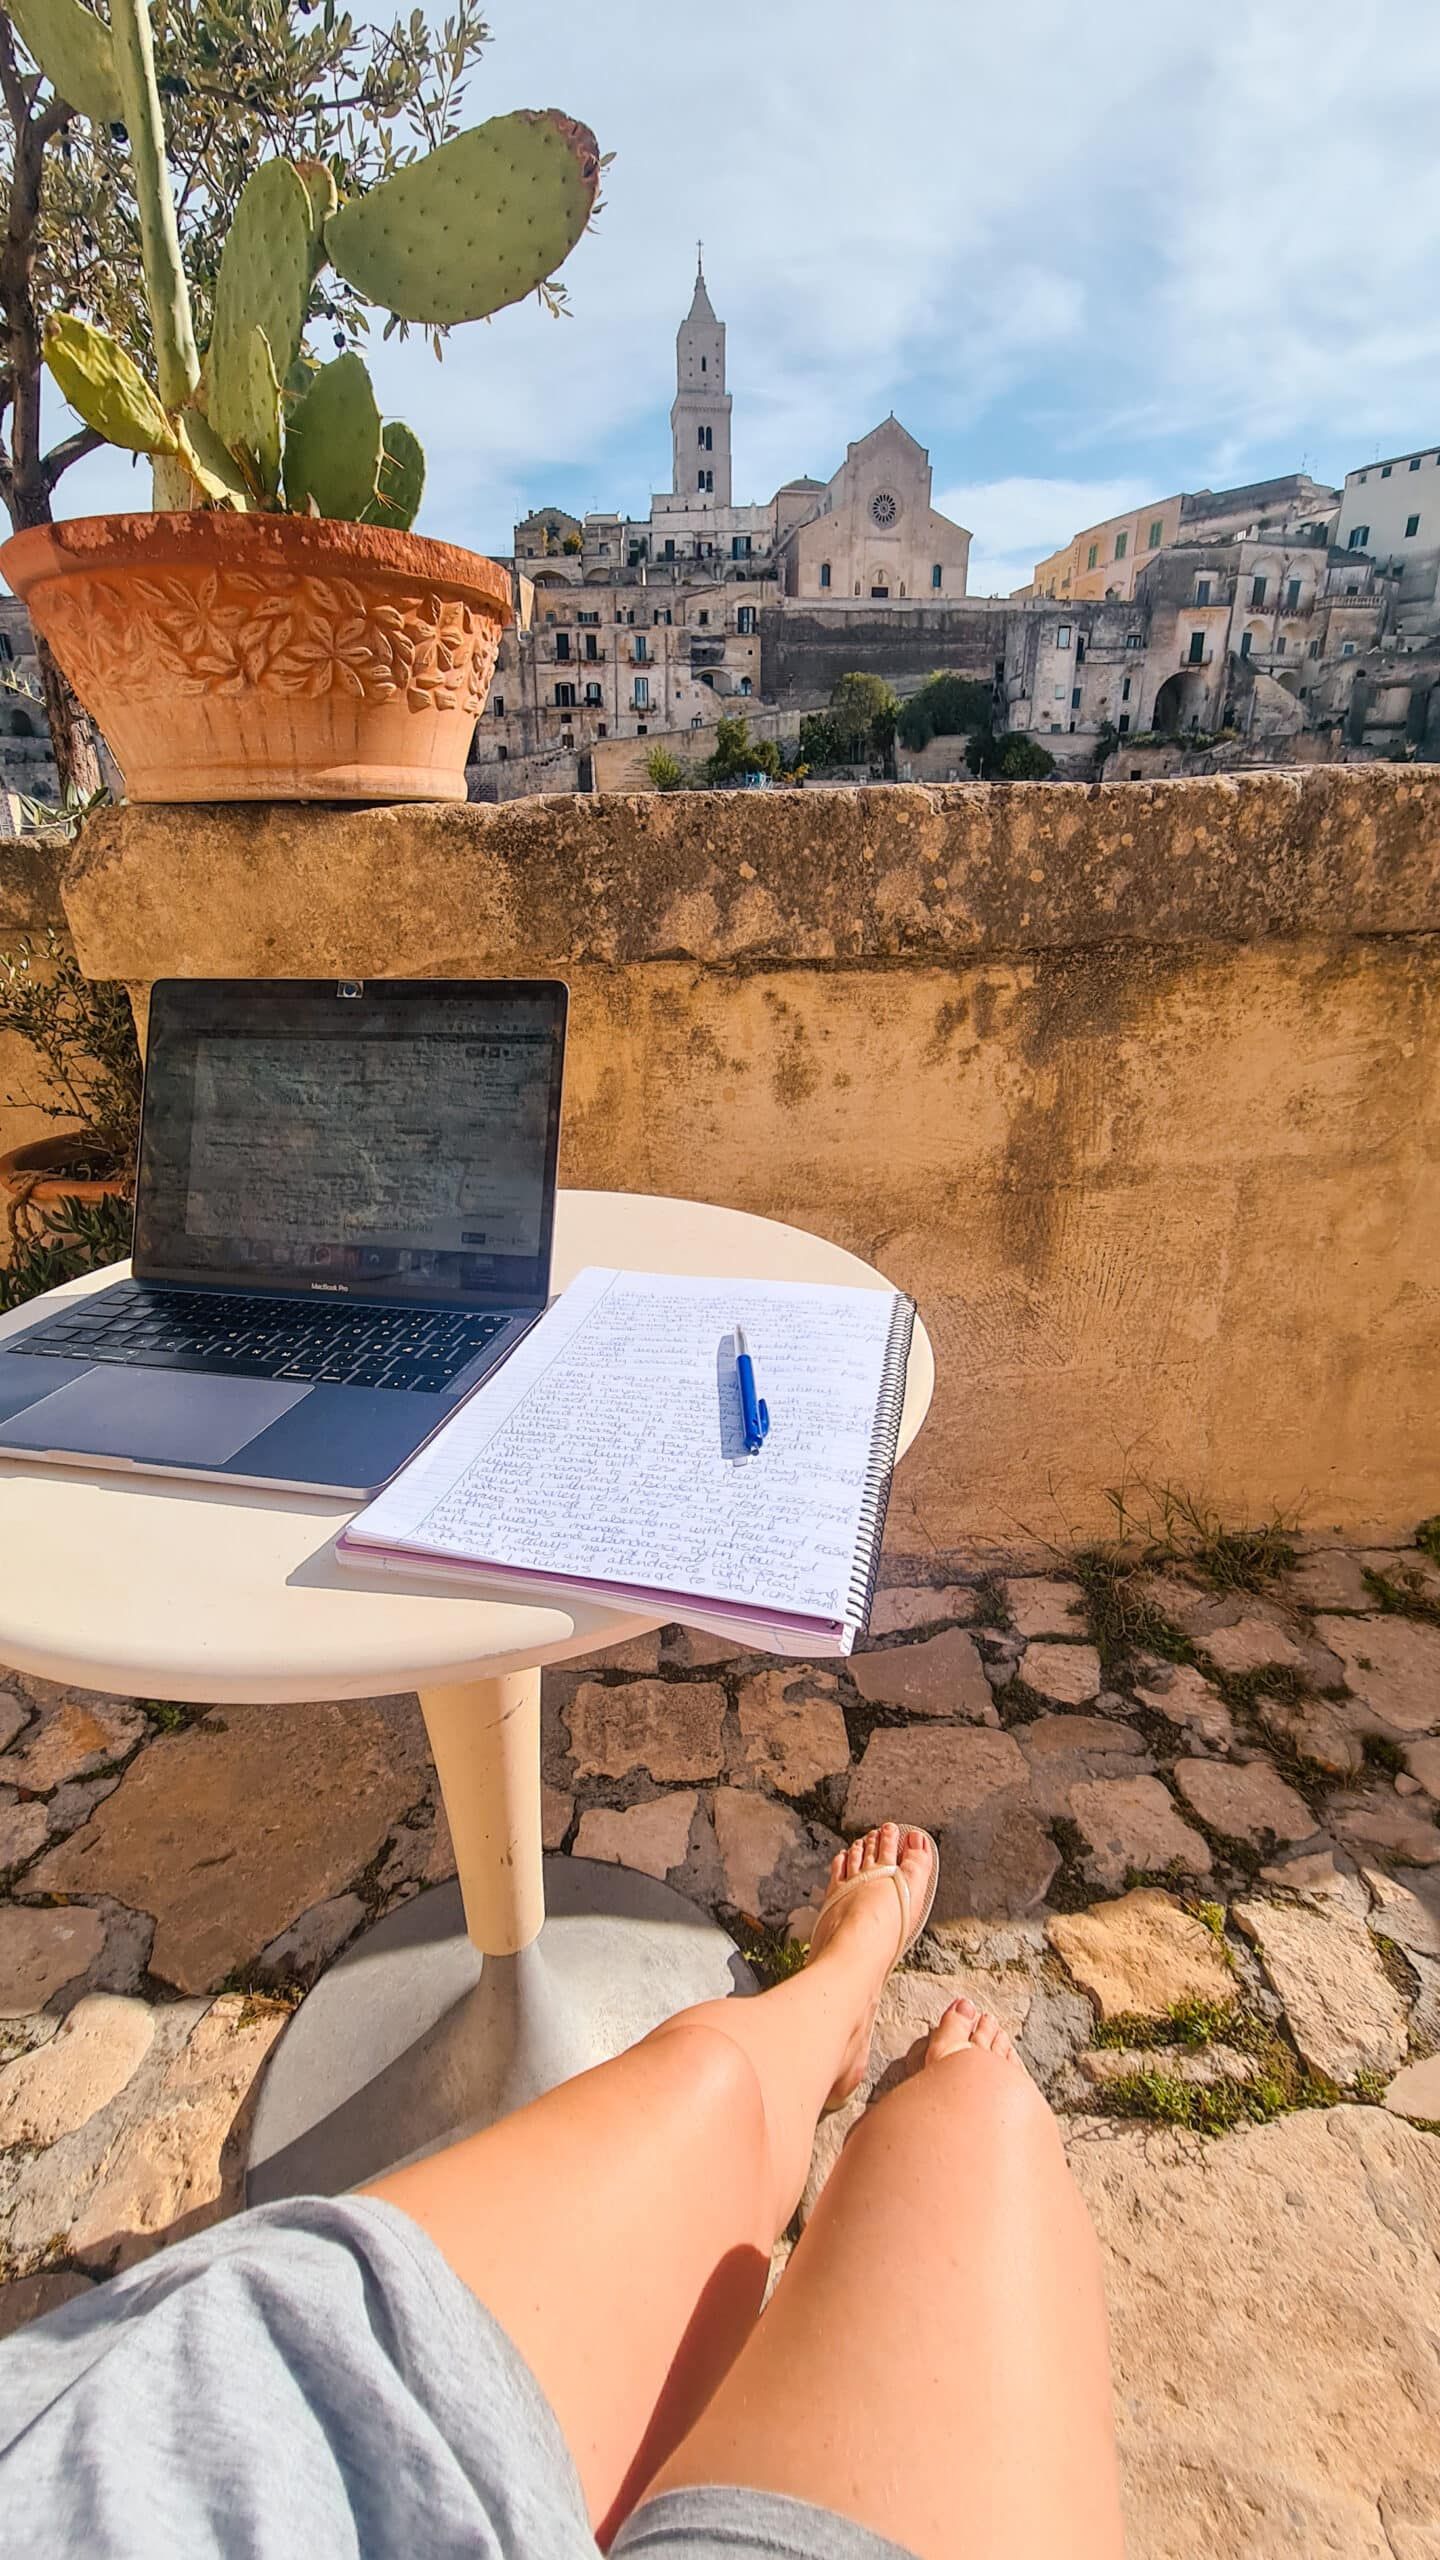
(839,1893)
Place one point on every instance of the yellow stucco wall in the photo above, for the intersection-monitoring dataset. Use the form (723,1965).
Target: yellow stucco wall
(1136,1089)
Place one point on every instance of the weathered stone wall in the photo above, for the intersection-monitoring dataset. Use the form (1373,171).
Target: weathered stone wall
(805,647)
(1137,1088)
(29,906)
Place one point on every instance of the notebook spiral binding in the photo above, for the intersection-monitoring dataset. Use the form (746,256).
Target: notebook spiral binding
(881,1467)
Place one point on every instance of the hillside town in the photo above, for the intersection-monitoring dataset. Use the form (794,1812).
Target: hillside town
(1280,622)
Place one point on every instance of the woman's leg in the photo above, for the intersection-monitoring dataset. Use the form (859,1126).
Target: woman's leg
(620,2228)
(934,2363)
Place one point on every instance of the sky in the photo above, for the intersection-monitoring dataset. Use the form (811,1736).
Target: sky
(1088,254)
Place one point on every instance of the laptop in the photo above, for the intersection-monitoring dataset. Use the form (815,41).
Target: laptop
(343,1221)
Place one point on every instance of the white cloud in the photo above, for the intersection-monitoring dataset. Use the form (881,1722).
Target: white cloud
(1017,521)
(1167,247)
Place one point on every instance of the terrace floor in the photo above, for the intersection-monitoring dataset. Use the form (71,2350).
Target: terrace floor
(1187,1810)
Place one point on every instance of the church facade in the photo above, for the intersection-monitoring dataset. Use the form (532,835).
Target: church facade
(636,627)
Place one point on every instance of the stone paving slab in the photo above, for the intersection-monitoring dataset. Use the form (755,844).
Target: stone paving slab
(1240,1823)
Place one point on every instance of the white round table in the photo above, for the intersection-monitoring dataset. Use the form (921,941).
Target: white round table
(468,2000)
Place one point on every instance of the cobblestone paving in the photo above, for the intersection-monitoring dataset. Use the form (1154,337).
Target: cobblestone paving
(1190,1853)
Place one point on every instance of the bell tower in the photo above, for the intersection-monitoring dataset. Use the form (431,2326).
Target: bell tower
(700,414)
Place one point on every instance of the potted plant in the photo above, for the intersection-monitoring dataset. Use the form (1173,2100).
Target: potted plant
(66,1200)
(273,630)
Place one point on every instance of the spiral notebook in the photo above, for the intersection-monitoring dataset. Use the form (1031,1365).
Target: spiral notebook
(606,1460)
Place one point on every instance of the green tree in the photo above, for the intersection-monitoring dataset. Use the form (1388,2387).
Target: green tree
(863,712)
(1010,756)
(736,753)
(946,706)
(574,544)
(666,772)
(240,81)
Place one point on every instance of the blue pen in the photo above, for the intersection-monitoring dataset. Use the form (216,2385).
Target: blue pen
(754,1415)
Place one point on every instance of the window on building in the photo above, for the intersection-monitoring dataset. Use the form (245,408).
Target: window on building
(703,618)
(1364,476)
(1385,471)
(1414,461)
(564,697)
(1314,649)
(1412,527)
(1153,537)
(642,693)
(1347,649)
(937,575)
(1124,722)
(6,650)
(745,620)
(669,550)
(1059,693)
(1079,648)
(1062,635)
(745,684)
(593,696)
(1134,640)
(704,364)
(642,648)
(1092,556)
(1359,536)
(703,438)
(1074,700)
(1245,637)
(1292,594)
(1257,591)
(603,730)
(502,755)
(497,705)
(824,573)
(584,618)
(1202,590)
(663,614)
(1280,645)
(1197,648)
(1125,690)
(1122,545)
(1055,728)
(592,645)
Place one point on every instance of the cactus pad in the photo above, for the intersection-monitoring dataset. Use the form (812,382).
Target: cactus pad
(476,225)
(264,283)
(74,50)
(332,443)
(211,465)
(402,479)
(104,387)
(319,186)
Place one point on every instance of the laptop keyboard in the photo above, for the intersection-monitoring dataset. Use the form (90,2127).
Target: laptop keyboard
(415,1349)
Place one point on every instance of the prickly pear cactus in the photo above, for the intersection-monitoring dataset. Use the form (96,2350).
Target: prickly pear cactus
(73,49)
(332,443)
(104,388)
(475,225)
(402,479)
(319,186)
(263,284)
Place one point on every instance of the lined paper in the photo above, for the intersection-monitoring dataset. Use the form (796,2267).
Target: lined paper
(609,1452)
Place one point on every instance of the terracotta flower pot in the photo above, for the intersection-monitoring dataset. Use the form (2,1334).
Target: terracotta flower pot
(232,657)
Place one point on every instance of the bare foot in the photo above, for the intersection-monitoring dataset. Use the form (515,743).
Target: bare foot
(867,1929)
(962,2026)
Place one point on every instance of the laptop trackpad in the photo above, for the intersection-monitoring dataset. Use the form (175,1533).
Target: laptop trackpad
(158,1417)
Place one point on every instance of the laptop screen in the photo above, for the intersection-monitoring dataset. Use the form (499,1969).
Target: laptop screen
(395,1139)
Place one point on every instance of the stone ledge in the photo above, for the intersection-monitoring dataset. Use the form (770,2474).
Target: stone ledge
(858,877)
(30,885)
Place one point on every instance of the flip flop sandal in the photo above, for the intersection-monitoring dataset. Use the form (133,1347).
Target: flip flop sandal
(912,1925)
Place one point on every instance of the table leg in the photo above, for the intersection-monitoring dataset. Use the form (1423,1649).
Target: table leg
(470,2000)
(485,1737)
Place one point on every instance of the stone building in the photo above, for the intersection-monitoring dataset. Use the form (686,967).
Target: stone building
(1264,635)
(1391,511)
(27,763)
(635,627)
(1106,560)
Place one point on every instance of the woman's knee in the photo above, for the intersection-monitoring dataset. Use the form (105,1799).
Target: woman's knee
(973,2103)
(712,2072)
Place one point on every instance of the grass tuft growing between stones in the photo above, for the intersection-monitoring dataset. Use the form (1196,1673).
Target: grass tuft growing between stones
(1283,2084)
(1193,2023)
(1427,1537)
(771,1956)
(1401,1595)
(1383,1753)
(1124,1621)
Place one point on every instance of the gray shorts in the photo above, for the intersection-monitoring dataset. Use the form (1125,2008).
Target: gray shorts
(310,2381)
